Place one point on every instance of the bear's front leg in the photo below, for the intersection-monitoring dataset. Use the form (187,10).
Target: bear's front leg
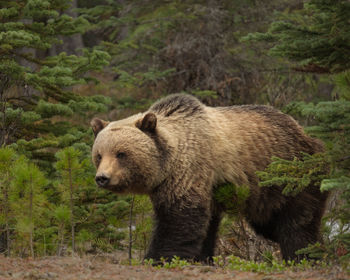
(180,230)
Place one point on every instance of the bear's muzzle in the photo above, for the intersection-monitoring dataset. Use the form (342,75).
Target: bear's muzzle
(102,180)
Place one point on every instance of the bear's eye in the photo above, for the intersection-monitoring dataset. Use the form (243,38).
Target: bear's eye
(98,157)
(120,155)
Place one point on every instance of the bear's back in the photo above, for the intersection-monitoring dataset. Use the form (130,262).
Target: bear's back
(266,121)
(236,140)
(248,136)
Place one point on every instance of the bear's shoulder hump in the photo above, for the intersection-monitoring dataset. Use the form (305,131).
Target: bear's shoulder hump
(175,104)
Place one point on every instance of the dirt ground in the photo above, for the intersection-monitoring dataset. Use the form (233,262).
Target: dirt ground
(97,268)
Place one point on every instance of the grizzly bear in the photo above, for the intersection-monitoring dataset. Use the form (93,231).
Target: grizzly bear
(180,151)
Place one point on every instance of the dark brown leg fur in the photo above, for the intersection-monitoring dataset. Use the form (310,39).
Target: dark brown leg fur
(180,231)
(297,232)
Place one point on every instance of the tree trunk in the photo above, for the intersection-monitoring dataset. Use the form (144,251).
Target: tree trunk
(31,233)
(44,245)
(61,239)
(6,212)
(71,205)
(130,228)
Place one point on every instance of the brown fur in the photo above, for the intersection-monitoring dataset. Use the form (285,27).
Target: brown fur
(180,150)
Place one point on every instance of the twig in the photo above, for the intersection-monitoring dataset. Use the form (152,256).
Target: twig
(130,228)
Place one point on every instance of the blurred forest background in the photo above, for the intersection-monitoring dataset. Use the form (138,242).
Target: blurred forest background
(64,61)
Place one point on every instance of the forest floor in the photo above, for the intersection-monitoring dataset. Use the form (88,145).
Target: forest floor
(99,268)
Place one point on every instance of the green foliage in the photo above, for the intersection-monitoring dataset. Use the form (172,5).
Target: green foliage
(337,250)
(28,181)
(147,32)
(295,175)
(71,165)
(330,119)
(232,197)
(164,47)
(8,159)
(176,262)
(143,222)
(235,263)
(40,215)
(21,197)
(28,200)
(317,37)
(204,93)
(330,184)
(47,109)
(72,172)
(61,214)
(342,83)
(37,100)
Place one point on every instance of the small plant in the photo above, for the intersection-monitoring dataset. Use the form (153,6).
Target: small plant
(219,261)
(267,257)
(148,262)
(304,264)
(135,262)
(176,262)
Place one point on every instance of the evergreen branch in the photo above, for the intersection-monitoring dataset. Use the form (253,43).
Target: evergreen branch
(28,57)
(23,99)
(312,68)
(343,159)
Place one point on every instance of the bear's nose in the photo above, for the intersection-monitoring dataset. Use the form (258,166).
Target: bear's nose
(102,180)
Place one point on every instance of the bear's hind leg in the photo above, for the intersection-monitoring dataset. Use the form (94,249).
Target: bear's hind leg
(299,228)
(301,222)
(296,238)
(290,235)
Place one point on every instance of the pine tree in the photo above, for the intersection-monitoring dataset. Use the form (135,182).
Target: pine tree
(37,101)
(28,197)
(317,37)
(8,158)
(143,224)
(71,172)
(62,215)
(41,109)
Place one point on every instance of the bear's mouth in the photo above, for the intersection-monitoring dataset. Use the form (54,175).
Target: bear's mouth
(126,188)
(115,188)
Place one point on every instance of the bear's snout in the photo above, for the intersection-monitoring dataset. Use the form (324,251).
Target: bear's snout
(102,180)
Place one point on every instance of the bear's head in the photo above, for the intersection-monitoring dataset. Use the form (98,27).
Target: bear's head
(126,154)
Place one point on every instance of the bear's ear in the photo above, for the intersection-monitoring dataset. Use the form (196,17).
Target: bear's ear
(97,125)
(148,123)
